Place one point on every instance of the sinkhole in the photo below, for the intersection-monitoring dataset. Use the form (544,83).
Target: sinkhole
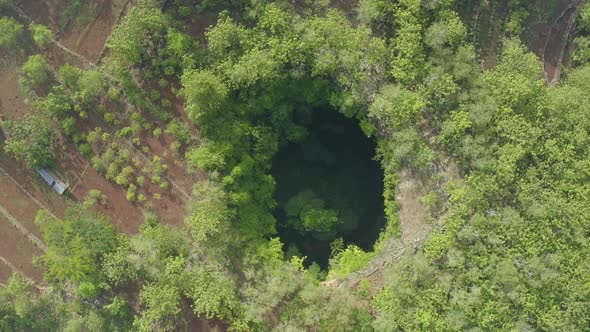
(328,186)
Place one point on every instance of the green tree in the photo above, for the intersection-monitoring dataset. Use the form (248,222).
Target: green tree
(11,34)
(23,308)
(76,246)
(36,71)
(163,308)
(31,140)
(141,27)
(41,34)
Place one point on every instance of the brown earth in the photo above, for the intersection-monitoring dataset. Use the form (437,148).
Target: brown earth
(18,250)
(5,272)
(492,20)
(413,218)
(88,39)
(83,178)
(548,37)
(12,104)
(198,26)
(14,246)
(46,12)
(19,205)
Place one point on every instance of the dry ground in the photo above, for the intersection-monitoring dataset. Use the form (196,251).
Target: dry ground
(22,192)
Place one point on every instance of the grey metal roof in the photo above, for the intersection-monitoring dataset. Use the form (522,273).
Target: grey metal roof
(52,180)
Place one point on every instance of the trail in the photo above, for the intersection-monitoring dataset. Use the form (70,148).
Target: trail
(19,271)
(27,192)
(121,14)
(414,224)
(36,241)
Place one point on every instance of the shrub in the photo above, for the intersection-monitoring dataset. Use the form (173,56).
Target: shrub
(95,195)
(68,126)
(157,167)
(110,118)
(184,11)
(85,150)
(123,155)
(136,162)
(112,171)
(109,155)
(11,35)
(165,185)
(131,193)
(157,132)
(36,70)
(162,83)
(94,136)
(175,146)
(156,179)
(349,260)
(140,180)
(180,130)
(155,95)
(98,164)
(113,93)
(124,132)
(124,177)
(41,34)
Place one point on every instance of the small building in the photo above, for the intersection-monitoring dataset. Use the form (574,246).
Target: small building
(53,180)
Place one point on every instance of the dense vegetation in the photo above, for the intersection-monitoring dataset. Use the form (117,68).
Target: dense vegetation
(510,251)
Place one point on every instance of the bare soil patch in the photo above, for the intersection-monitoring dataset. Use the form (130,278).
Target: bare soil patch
(78,172)
(18,250)
(199,25)
(548,37)
(19,205)
(5,272)
(12,105)
(347,6)
(413,218)
(46,12)
(89,38)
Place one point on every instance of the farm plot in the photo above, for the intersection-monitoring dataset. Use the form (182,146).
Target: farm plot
(46,12)
(22,192)
(87,34)
(17,251)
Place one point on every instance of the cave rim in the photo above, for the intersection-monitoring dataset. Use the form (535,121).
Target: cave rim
(366,233)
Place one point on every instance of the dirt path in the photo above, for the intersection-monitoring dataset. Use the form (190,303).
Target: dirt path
(3,172)
(548,38)
(413,219)
(7,269)
(557,42)
(18,250)
(36,241)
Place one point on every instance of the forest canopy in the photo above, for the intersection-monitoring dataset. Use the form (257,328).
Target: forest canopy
(309,130)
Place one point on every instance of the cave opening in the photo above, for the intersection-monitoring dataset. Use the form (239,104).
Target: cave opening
(328,186)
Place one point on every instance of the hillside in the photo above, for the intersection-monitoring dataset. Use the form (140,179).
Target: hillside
(248,165)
